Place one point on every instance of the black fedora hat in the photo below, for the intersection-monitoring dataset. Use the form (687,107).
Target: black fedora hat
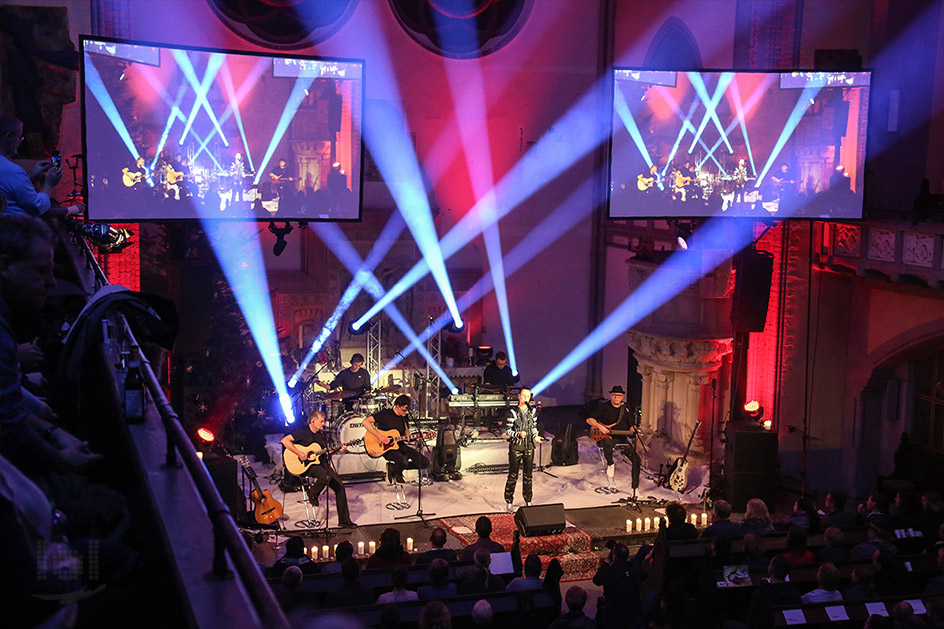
(617,389)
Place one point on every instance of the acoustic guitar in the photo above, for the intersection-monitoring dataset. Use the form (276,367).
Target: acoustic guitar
(130,179)
(267,509)
(644,183)
(297,466)
(678,473)
(376,449)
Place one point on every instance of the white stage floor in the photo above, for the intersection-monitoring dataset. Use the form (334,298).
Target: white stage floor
(480,493)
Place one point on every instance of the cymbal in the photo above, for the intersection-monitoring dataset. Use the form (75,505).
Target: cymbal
(338,395)
(390,389)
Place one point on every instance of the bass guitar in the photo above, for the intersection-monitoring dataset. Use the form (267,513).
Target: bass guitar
(297,466)
(596,434)
(678,473)
(376,449)
(268,509)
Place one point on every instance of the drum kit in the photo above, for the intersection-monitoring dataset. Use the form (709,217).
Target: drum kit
(345,412)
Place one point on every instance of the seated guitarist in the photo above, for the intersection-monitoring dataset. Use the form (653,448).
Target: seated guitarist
(322,471)
(614,415)
(134,177)
(393,419)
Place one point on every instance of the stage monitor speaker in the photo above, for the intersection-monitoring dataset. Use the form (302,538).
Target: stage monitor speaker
(541,520)
(754,270)
(224,471)
(446,456)
(751,464)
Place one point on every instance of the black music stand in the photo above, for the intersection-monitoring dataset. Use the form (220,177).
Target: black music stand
(419,484)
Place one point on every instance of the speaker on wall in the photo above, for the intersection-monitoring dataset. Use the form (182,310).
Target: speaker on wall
(751,466)
(753,273)
(541,519)
(224,471)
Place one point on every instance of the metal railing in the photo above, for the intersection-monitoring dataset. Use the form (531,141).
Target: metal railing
(226,535)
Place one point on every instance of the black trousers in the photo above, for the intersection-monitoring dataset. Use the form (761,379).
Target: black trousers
(518,459)
(326,476)
(628,451)
(406,457)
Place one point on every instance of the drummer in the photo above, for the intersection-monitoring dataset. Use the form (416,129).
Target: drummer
(355,379)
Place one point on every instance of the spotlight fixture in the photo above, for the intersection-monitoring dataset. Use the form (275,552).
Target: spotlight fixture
(683,232)
(280,234)
(483,354)
(206,435)
(754,411)
(455,328)
(356,330)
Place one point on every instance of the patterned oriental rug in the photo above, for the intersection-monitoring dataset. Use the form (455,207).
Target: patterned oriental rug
(573,548)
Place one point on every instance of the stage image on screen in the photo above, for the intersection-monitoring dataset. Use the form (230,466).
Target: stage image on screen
(774,145)
(182,133)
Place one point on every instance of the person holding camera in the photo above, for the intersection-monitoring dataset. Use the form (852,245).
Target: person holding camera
(16,185)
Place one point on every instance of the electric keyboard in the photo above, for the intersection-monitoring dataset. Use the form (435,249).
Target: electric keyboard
(483,400)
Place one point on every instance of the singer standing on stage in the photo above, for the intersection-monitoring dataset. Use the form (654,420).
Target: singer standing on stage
(522,433)
(403,456)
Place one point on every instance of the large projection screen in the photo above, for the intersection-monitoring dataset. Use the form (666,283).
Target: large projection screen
(186,133)
(757,144)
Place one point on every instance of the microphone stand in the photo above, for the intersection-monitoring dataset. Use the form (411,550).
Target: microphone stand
(419,482)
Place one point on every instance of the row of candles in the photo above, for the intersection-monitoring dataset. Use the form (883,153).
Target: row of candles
(371,547)
(642,525)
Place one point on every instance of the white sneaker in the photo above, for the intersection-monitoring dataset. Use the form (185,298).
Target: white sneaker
(509,507)
(527,504)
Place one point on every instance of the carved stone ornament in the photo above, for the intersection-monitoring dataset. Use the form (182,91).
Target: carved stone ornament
(882,245)
(848,241)
(918,249)
(679,354)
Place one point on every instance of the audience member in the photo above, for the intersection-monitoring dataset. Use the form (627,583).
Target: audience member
(435,615)
(352,592)
(754,551)
(836,513)
(438,539)
(721,523)
(827,581)
(290,596)
(795,549)
(16,186)
(804,515)
(482,614)
(399,593)
(390,553)
(935,614)
(756,518)
(679,528)
(576,599)
(620,579)
(532,575)
(874,510)
(932,512)
(889,574)
(481,581)
(439,586)
(877,621)
(935,585)
(552,578)
(861,584)
(343,552)
(294,556)
(776,592)
(903,616)
(906,512)
(833,551)
(875,539)
(483,528)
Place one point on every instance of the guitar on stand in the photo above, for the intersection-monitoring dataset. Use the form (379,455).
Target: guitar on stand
(267,509)
(678,472)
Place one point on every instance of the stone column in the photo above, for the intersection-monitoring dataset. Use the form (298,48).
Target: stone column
(676,391)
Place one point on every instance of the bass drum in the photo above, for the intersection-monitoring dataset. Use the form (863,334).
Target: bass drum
(351,427)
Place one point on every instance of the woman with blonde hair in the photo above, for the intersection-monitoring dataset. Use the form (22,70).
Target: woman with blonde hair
(756,518)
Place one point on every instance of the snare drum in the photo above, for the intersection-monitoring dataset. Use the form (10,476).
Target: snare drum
(369,405)
(351,427)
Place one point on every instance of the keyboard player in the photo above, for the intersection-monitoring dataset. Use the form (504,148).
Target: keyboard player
(498,374)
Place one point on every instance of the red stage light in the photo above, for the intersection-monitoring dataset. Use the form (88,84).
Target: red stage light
(752,407)
(206,435)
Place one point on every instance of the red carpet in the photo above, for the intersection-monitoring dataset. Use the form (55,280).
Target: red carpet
(572,547)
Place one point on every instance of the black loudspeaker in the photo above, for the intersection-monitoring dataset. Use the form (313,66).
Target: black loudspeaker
(753,272)
(751,466)
(446,457)
(541,520)
(224,471)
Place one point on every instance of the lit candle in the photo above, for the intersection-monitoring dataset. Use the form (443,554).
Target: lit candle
(694,519)
(335,551)
(629,526)
(314,553)
(409,544)
(704,520)
(639,524)
(666,521)
(372,546)
(360,548)
(648,523)
(324,552)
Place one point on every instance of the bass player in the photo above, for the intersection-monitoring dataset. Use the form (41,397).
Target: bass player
(615,416)
(322,471)
(403,456)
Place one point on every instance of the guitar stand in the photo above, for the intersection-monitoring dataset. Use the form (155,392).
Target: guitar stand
(541,467)
(630,503)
